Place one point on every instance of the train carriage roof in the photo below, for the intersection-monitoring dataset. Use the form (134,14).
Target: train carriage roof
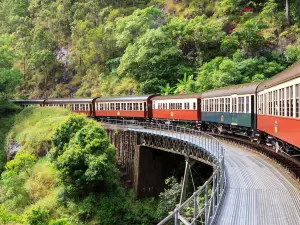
(241,89)
(185,96)
(290,73)
(69,100)
(28,101)
(128,98)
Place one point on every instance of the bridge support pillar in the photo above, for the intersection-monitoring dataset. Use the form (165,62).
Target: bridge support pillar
(151,168)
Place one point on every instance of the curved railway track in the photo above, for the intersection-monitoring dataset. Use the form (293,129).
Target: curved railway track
(292,165)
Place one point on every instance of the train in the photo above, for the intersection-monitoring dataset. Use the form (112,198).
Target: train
(266,112)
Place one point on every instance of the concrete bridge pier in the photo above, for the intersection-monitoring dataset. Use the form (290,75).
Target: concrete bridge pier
(152,167)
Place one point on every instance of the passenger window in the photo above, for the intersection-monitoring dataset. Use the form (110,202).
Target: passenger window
(194,105)
(297,95)
(292,101)
(248,104)
(222,105)
(288,101)
(227,106)
(141,106)
(241,104)
(234,105)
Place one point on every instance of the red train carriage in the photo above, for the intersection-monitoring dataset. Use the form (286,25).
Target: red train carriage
(139,107)
(77,105)
(278,108)
(186,108)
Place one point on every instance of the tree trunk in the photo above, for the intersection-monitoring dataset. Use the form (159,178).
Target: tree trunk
(287,12)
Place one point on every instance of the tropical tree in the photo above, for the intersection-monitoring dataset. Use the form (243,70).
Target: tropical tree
(182,85)
(166,90)
(10,76)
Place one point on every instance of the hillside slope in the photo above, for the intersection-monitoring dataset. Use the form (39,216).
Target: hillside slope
(93,48)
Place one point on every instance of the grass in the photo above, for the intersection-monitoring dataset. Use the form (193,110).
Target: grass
(34,128)
(42,180)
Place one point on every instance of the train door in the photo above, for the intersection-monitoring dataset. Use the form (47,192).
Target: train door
(146,110)
(253,112)
(199,109)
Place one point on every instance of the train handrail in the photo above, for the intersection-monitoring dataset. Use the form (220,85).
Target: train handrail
(212,191)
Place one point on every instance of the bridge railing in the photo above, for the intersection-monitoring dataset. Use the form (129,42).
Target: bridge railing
(202,206)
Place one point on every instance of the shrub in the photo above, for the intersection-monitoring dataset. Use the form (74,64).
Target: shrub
(87,163)
(22,162)
(169,198)
(38,217)
(9,218)
(65,132)
(60,222)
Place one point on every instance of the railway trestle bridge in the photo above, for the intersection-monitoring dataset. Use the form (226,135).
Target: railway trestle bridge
(253,190)
(193,145)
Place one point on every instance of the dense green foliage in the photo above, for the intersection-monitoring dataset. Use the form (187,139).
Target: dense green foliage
(64,173)
(92,48)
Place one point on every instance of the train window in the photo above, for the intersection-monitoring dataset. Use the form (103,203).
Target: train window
(288,101)
(221,104)
(159,105)
(247,104)
(217,105)
(276,105)
(241,104)
(141,106)
(112,106)
(282,102)
(118,106)
(279,103)
(136,106)
(180,105)
(234,105)
(227,104)
(76,107)
(270,104)
(123,106)
(194,105)
(297,96)
(187,105)
(291,101)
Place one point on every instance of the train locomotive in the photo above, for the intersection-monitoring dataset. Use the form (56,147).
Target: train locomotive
(265,112)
